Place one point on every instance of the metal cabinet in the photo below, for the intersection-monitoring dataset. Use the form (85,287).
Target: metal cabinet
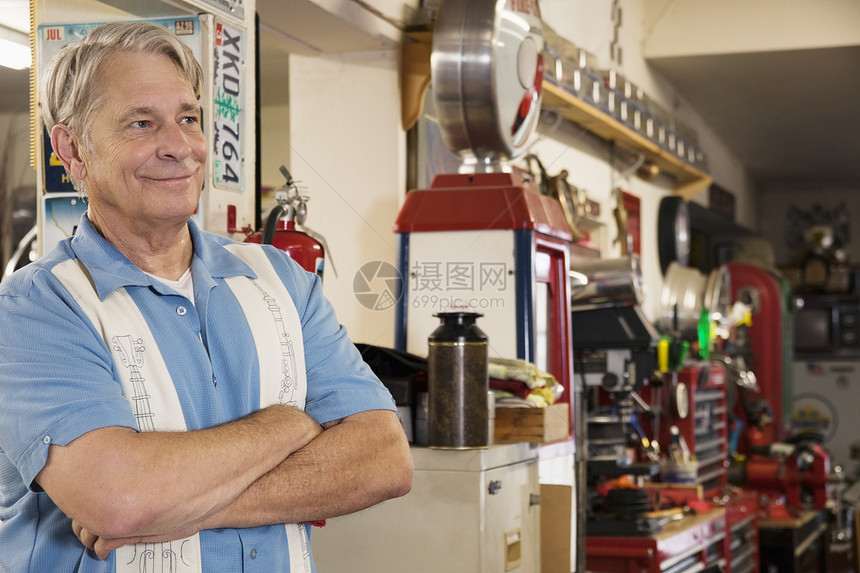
(688,546)
(703,420)
(742,543)
(469,510)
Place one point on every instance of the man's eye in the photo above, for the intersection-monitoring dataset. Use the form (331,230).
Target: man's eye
(191,119)
(141,123)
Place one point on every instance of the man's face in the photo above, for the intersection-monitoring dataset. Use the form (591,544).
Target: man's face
(146,151)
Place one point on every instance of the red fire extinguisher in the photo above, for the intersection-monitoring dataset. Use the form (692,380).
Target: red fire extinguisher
(285,229)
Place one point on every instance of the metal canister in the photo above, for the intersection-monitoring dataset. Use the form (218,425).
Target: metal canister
(458,374)
(609,281)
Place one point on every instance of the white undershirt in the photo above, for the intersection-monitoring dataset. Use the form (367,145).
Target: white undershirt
(184,286)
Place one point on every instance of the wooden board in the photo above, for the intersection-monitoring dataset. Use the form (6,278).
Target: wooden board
(556,521)
(535,425)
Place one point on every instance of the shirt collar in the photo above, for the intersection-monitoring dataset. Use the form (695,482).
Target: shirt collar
(111,270)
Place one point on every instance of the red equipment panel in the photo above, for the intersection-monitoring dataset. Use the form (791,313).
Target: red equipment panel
(768,341)
(705,427)
(508,201)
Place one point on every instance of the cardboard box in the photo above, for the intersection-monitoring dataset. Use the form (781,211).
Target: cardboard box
(556,523)
(536,425)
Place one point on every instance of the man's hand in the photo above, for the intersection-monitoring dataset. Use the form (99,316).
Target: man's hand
(100,545)
(103,545)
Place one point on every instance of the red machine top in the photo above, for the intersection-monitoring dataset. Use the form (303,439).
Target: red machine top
(481,201)
(770,347)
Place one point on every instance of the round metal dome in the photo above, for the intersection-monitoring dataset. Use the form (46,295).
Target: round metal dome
(487,70)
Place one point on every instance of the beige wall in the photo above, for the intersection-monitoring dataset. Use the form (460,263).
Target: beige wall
(588,24)
(346,144)
(764,25)
(348,147)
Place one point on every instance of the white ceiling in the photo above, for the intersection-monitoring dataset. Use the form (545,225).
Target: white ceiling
(789,116)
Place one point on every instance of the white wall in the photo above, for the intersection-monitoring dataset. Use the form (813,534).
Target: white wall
(348,148)
(588,24)
(275,142)
(685,27)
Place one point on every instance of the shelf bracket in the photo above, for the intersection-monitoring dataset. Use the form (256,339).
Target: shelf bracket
(415,75)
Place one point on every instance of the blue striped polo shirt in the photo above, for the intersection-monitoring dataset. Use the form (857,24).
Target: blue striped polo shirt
(58,380)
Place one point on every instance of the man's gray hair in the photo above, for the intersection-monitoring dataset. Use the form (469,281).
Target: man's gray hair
(70,91)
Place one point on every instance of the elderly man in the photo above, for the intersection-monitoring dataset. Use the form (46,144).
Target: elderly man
(171,400)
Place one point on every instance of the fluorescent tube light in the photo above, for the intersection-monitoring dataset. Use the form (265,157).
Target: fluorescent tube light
(14,49)
(14,55)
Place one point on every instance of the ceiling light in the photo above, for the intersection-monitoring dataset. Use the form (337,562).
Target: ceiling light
(14,49)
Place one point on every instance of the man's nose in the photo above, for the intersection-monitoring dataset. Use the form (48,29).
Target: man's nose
(174,142)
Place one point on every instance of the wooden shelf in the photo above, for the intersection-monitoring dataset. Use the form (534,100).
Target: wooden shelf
(689,180)
(415,79)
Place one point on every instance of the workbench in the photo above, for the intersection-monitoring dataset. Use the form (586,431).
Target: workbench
(795,545)
(693,543)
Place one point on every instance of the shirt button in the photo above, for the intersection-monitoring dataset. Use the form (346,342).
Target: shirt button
(181,310)
(46,440)
(253,554)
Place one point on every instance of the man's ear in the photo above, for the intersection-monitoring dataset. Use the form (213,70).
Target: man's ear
(67,149)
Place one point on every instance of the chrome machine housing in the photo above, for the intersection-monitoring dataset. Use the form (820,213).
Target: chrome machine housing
(487,69)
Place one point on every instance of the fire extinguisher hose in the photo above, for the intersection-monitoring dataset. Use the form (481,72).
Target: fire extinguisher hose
(275,215)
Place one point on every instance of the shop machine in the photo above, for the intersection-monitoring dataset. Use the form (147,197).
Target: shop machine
(791,468)
(482,240)
(766,346)
(485,239)
(657,432)
(615,351)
